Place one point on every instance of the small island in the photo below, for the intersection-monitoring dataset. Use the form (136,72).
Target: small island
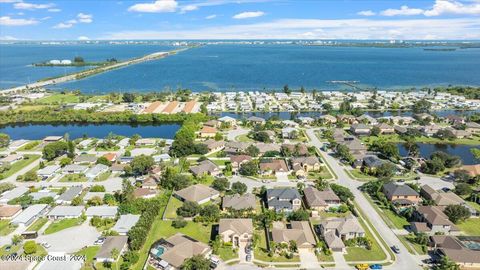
(78,61)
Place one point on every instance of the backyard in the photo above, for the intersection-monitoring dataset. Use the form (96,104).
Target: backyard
(6,227)
(171,210)
(63,224)
(261,251)
(17,166)
(74,177)
(470,226)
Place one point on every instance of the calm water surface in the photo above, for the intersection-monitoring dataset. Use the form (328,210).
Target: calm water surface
(463,151)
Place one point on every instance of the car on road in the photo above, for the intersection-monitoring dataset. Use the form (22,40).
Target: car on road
(376,266)
(8,248)
(46,245)
(395,249)
(362,266)
(428,261)
(248,257)
(99,241)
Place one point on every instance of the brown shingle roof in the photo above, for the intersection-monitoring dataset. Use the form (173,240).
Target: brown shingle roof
(189,106)
(170,107)
(152,107)
(8,211)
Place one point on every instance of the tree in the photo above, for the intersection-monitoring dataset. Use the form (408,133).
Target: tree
(445,264)
(344,153)
(421,106)
(261,136)
(386,170)
(4,140)
(475,152)
(77,201)
(142,164)
(179,223)
(221,184)
(457,213)
(432,166)
(388,149)
(210,213)
(299,215)
(445,134)
(97,188)
(252,150)
(172,180)
(30,176)
(114,253)
(218,136)
(249,168)
(53,150)
(463,189)
(286,90)
(321,184)
(17,239)
(104,161)
(30,247)
(127,191)
(448,160)
(65,161)
(197,262)
(375,131)
(188,209)
(78,59)
(128,97)
(411,146)
(239,188)
(461,176)
(342,192)
(70,149)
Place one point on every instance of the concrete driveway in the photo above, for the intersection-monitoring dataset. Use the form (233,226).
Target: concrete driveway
(232,134)
(70,240)
(308,259)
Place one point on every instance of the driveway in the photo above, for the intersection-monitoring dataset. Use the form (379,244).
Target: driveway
(70,240)
(340,262)
(308,259)
(251,184)
(282,178)
(232,134)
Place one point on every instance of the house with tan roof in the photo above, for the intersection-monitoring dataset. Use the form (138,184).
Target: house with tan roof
(472,170)
(295,150)
(145,193)
(112,157)
(246,201)
(320,200)
(303,165)
(213,145)
(439,197)
(298,231)
(274,167)
(467,257)
(170,108)
(335,229)
(205,167)
(328,119)
(172,252)
(207,132)
(385,128)
(238,160)
(235,230)
(434,221)
(197,193)
(9,211)
(189,106)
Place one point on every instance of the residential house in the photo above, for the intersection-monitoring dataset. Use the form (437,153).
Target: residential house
(10,159)
(69,195)
(145,193)
(371,163)
(305,120)
(455,120)
(458,133)
(299,231)
(318,200)
(274,167)
(118,242)
(284,199)
(50,139)
(12,194)
(290,123)
(9,211)
(347,118)
(213,145)
(125,223)
(197,193)
(205,167)
(64,211)
(238,160)
(232,122)
(472,127)
(472,170)
(234,148)
(303,165)
(431,219)
(295,150)
(239,202)
(335,229)
(29,215)
(267,147)
(328,119)
(235,230)
(439,197)
(401,195)
(466,256)
(90,195)
(48,171)
(367,119)
(385,128)
(177,249)
(103,211)
(360,129)
(85,159)
(151,182)
(43,194)
(73,168)
(96,170)
(213,123)
(112,157)
(289,133)
(430,130)
(254,120)
(207,132)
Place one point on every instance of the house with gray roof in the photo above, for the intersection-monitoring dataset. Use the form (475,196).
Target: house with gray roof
(96,170)
(48,171)
(321,200)
(125,223)
(256,120)
(111,242)
(42,194)
(284,199)
(65,211)
(69,195)
(29,215)
(103,211)
(401,195)
(205,167)
(239,202)
(73,168)
(360,129)
(12,194)
(91,195)
(85,159)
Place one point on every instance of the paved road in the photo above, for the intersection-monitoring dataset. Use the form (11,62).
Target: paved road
(232,134)
(404,260)
(251,184)
(72,239)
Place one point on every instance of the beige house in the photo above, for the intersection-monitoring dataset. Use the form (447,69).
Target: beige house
(299,231)
(235,230)
(318,200)
(385,128)
(303,165)
(451,247)
(197,193)
(239,202)
(337,230)
(176,249)
(207,132)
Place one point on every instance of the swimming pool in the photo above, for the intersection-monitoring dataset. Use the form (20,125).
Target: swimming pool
(158,251)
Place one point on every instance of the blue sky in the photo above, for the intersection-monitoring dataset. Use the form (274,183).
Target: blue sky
(239,19)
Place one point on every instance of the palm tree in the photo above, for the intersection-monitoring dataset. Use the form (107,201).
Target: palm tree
(115,253)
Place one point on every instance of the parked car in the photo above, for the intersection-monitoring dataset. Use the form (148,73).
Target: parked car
(376,266)
(249,257)
(362,266)
(8,248)
(99,241)
(395,249)
(46,245)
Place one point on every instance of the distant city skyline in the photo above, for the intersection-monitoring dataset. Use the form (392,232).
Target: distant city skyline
(240,19)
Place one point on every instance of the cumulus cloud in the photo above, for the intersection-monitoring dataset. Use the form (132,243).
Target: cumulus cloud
(83,38)
(8,38)
(9,1)
(81,18)
(209,17)
(403,11)
(453,7)
(187,8)
(85,18)
(63,25)
(366,13)
(54,10)
(248,14)
(158,6)
(450,28)
(9,21)
(30,6)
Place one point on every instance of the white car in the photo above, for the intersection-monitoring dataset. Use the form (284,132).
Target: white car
(46,245)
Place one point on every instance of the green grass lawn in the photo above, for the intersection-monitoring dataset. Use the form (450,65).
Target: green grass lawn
(13,248)
(398,221)
(227,253)
(75,177)
(361,254)
(470,226)
(220,162)
(6,227)
(261,252)
(37,225)
(62,225)
(102,177)
(324,258)
(475,205)
(17,166)
(243,138)
(89,252)
(405,239)
(356,173)
(173,205)
(59,98)
(29,146)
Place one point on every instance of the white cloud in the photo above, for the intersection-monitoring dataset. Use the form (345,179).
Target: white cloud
(366,13)
(63,25)
(30,6)
(403,11)
(248,14)
(187,8)
(85,18)
(158,6)
(8,38)
(9,1)
(453,7)
(209,17)
(83,38)
(447,28)
(8,21)
(45,18)
(54,10)
(71,21)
